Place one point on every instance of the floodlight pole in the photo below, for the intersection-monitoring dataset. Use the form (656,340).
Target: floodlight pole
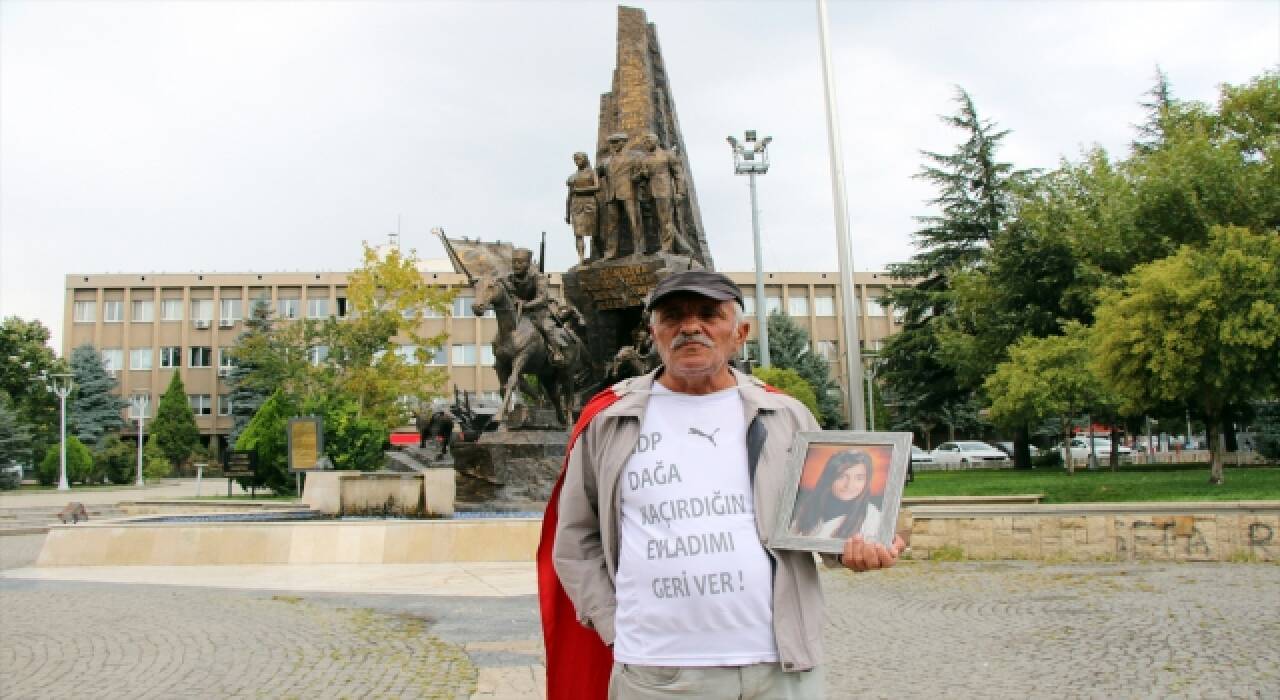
(140,405)
(751,158)
(60,383)
(853,350)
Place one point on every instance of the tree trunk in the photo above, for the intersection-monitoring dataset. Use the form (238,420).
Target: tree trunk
(1216,446)
(1066,446)
(1115,445)
(1022,448)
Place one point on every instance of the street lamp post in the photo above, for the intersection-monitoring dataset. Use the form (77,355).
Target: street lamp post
(60,383)
(873,364)
(751,159)
(140,404)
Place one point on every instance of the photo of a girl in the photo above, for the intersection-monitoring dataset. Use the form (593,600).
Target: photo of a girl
(842,502)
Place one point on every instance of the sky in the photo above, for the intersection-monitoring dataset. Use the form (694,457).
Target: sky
(233,136)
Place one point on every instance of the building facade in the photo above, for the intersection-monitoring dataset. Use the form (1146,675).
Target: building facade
(148,326)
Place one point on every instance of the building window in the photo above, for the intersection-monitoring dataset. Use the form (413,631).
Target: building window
(462,306)
(171,356)
(342,307)
(899,315)
(113,311)
(231,310)
(464,354)
(317,355)
(85,311)
(201,404)
(749,305)
(408,354)
(486,355)
(772,305)
(201,309)
(317,308)
(112,359)
(827,350)
(873,306)
(201,356)
(429,311)
(797,306)
(140,358)
(224,404)
(225,359)
(144,311)
(824,306)
(289,308)
(170,309)
(439,358)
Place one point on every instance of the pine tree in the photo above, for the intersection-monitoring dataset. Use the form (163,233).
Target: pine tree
(93,411)
(254,377)
(174,428)
(975,203)
(789,349)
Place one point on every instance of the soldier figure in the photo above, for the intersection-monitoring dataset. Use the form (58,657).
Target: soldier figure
(665,176)
(620,202)
(531,289)
(580,208)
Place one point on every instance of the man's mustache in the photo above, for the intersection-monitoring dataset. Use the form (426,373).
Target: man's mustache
(682,340)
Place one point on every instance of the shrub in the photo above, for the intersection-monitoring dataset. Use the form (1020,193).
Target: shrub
(155,465)
(79,463)
(789,382)
(116,460)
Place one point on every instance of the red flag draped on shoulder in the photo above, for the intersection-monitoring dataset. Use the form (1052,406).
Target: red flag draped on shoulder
(578,662)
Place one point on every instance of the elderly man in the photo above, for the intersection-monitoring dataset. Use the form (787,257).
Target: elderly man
(655,532)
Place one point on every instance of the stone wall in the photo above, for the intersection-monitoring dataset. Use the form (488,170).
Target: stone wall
(1244,531)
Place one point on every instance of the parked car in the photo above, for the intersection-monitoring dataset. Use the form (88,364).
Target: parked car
(1007,448)
(967,452)
(919,456)
(1080,449)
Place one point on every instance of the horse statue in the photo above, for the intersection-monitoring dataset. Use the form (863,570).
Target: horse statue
(436,426)
(519,349)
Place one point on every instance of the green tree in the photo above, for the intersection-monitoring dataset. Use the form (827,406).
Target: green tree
(15,438)
(93,410)
(1201,326)
(174,428)
(257,370)
(79,463)
(789,382)
(1046,379)
(976,201)
(24,354)
(351,441)
(267,436)
(789,349)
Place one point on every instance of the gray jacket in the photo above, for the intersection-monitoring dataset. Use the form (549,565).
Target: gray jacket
(587,532)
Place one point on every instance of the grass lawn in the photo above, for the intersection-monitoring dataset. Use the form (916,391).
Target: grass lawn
(1182,482)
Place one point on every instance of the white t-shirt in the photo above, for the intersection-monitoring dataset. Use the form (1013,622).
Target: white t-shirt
(694,584)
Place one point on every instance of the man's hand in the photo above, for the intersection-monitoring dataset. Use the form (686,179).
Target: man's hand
(861,555)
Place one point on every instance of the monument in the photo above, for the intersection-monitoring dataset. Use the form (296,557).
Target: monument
(639,210)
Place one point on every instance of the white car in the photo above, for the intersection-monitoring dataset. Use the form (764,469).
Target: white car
(1080,449)
(967,452)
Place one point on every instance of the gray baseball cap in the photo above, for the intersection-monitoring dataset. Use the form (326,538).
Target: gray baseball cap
(706,283)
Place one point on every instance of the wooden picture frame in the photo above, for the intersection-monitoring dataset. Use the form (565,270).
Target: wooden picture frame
(841,483)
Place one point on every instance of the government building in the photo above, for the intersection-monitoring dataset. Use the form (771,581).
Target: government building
(148,326)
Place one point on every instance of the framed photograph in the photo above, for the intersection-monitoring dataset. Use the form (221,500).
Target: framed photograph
(841,483)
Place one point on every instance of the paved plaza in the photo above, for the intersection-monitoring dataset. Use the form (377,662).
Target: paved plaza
(922,630)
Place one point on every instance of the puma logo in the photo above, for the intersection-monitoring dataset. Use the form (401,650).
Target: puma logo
(711,437)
